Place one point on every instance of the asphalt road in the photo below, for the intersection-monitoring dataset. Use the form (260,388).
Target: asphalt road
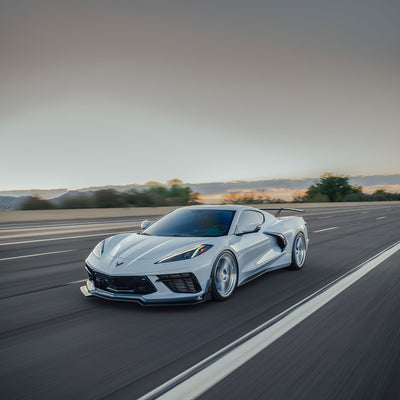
(55,343)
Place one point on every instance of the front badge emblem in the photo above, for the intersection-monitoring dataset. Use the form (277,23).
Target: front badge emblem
(119,263)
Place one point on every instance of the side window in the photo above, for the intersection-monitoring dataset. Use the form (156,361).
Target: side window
(249,217)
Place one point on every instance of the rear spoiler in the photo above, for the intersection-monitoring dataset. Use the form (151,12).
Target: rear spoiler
(279,210)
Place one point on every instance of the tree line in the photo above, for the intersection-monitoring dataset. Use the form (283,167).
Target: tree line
(328,188)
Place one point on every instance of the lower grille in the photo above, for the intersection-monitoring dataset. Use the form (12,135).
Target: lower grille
(121,284)
(180,283)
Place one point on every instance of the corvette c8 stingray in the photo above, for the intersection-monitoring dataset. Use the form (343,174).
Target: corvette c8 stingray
(195,253)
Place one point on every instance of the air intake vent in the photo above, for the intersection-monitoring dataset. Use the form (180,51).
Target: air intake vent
(180,283)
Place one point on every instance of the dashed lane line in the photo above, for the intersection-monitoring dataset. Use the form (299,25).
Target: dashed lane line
(326,229)
(37,255)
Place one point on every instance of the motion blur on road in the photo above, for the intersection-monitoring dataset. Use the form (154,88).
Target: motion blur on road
(55,343)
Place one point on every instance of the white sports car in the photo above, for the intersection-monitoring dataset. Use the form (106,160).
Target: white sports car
(195,253)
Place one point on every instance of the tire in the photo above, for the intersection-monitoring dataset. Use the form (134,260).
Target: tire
(224,276)
(299,251)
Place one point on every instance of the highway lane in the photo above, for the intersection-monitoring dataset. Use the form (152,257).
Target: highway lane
(55,342)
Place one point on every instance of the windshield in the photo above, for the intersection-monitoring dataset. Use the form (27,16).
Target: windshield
(193,222)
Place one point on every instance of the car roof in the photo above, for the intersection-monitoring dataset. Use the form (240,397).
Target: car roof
(230,207)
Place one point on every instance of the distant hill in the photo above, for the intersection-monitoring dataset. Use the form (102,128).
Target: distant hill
(375,180)
(41,193)
(11,203)
(223,187)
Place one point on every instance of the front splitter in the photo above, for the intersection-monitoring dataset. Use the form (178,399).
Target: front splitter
(140,300)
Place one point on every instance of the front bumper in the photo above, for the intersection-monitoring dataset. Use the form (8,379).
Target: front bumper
(182,288)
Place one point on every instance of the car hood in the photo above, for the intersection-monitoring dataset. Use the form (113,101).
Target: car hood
(137,246)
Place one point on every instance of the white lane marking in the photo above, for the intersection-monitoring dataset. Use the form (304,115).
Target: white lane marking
(326,229)
(80,281)
(204,375)
(62,238)
(37,255)
(364,212)
(326,217)
(381,217)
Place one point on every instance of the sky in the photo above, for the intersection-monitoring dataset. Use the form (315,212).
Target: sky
(118,92)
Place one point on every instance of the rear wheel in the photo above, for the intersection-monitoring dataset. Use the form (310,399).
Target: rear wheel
(224,276)
(299,251)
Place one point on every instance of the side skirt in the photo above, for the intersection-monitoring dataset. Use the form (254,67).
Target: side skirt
(262,272)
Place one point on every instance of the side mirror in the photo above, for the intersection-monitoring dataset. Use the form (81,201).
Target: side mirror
(145,224)
(249,229)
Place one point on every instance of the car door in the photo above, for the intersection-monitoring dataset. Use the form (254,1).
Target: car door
(251,248)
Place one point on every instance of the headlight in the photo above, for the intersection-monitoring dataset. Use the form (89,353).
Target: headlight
(98,250)
(185,255)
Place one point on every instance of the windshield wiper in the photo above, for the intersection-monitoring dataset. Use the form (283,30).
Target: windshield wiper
(176,235)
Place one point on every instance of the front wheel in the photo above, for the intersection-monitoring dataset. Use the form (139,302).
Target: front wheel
(299,251)
(224,276)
